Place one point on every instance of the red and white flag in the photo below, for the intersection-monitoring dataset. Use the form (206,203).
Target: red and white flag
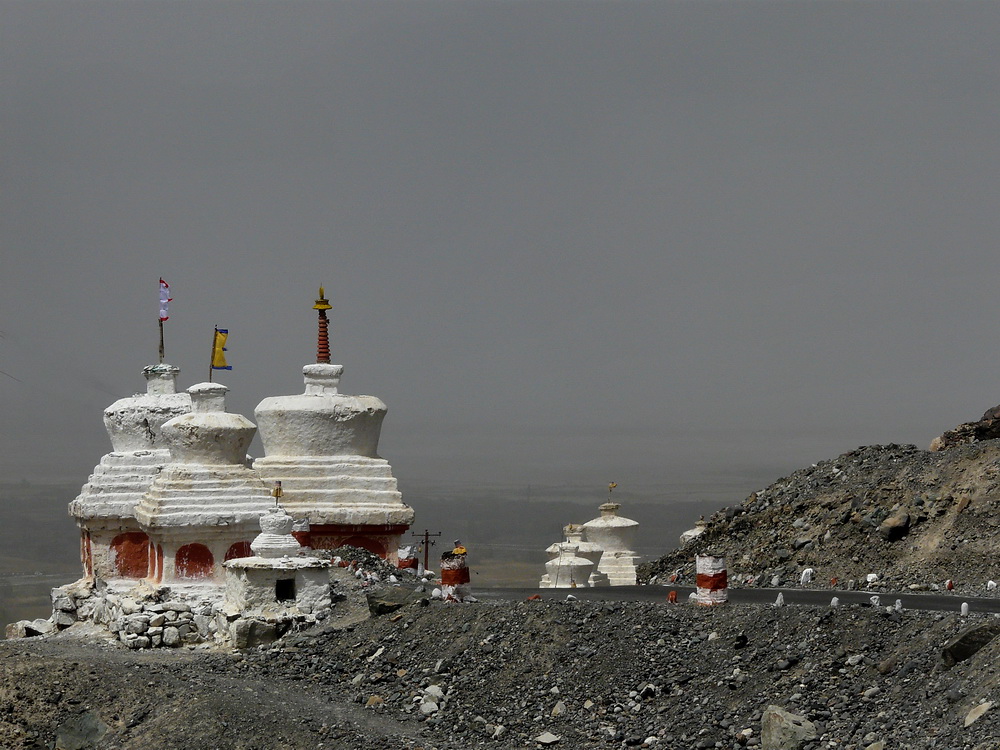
(165,299)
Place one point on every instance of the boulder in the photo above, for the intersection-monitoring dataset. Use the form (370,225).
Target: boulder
(895,527)
(81,732)
(247,633)
(781,730)
(968,642)
(987,428)
(388,599)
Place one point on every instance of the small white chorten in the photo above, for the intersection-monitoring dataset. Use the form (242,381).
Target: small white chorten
(322,445)
(277,581)
(112,545)
(574,533)
(203,507)
(613,534)
(567,570)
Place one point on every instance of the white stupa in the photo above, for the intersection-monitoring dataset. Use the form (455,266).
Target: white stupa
(567,569)
(613,534)
(277,580)
(112,545)
(203,508)
(322,445)
(574,533)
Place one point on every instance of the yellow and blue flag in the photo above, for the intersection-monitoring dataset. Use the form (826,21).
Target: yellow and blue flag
(219,350)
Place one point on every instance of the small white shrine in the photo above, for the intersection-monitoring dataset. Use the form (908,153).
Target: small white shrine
(574,534)
(111,543)
(202,509)
(614,535)
(567,569)
(277,582)
(322,445)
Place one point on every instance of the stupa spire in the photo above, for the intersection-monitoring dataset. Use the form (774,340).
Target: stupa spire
(323,340)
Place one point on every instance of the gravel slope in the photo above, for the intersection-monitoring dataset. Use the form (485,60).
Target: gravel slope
(593,674)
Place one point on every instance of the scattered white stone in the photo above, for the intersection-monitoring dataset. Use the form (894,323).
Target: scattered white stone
(899,605)
(874,600)
(991,585)
(835,602)
(780,601)
(965,609)
(871,578)
(806,577)
(547,738)
(977,712)
(559,709)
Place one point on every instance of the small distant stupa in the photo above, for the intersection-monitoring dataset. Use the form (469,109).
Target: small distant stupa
(597,553)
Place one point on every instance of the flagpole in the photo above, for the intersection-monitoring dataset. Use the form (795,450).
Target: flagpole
(161,341)
(211,358)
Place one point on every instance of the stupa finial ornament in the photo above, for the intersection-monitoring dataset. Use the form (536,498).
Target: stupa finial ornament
(323,341)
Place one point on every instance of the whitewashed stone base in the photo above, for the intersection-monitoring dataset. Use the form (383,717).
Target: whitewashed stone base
(619,567)
(337,489)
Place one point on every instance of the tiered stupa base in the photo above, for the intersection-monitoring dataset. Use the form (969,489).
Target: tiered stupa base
(112,544)
(198,517)
(350,500)
(619,567)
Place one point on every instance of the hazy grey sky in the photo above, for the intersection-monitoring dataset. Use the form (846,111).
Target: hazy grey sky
(564,241)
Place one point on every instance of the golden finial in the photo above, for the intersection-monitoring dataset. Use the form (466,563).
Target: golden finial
(322,303)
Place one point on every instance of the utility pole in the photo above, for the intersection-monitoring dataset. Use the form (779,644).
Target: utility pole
(427,542)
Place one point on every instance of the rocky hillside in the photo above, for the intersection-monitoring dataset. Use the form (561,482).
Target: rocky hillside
(529,674)
(915,518)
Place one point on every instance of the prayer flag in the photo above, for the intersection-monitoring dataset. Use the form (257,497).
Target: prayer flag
(219,349)
(165,299)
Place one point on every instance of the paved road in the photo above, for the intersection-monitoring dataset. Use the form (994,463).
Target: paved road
(933,602)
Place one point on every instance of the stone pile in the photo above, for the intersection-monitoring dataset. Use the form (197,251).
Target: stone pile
(914,519)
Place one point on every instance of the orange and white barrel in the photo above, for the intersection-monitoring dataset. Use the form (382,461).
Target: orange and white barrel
(710,580)
(455,577)
(406,559)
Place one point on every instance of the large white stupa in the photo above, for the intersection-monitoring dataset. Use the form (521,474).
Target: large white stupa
(322,446)
(111,543)
(614,535)
(203,508)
